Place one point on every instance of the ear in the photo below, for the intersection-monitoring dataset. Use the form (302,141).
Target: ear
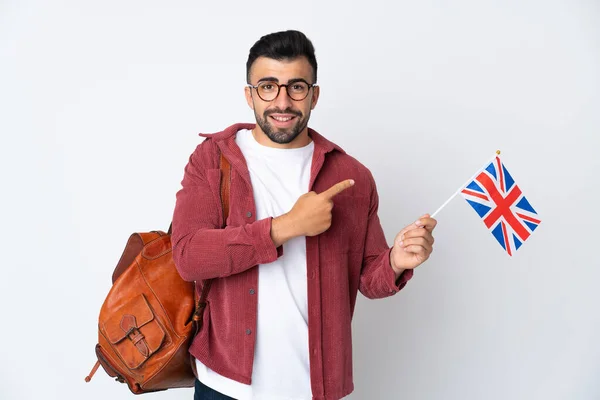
(248,94)
(315,97)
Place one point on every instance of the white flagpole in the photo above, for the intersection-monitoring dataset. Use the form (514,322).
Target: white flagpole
(465,184)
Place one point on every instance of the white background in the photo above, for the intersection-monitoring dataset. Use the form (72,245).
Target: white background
(100,106)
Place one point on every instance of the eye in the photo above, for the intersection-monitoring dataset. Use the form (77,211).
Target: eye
(298,87)
(267,87)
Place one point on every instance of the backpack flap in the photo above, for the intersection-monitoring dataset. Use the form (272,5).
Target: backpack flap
(133,332)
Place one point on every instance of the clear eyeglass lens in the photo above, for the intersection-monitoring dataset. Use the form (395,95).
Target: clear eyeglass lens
(269,90)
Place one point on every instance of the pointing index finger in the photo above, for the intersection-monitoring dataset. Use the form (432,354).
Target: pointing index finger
(337,188)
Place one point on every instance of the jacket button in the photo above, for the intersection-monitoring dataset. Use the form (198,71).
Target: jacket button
(249,214)
(252,291)
(248,331)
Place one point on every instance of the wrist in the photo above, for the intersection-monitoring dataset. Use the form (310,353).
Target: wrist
(282,229)
(397,270)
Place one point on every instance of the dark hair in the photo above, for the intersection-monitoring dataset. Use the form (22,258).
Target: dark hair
(285,45)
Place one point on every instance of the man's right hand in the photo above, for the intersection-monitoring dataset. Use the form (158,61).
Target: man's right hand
(310,216)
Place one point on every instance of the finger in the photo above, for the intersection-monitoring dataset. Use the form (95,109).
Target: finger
(412,226)
(423,222)
(417,250)
(418,232)
(337,188)
(422,242)
(414,229)
(419,223)
(426,222)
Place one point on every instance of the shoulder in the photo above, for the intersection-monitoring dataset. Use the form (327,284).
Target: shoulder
(344,163)
(354,168)
(206,153)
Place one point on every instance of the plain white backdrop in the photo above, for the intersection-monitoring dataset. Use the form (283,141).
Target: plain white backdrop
(100,106)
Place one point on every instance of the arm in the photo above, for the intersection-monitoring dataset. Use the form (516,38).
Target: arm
(378,279)
(201,248)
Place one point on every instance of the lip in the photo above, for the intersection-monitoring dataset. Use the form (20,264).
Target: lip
(282,124)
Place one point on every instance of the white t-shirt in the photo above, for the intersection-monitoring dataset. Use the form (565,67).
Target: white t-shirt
(281,358)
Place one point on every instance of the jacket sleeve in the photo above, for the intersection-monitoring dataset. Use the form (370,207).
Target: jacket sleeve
(202,249)
(377,278)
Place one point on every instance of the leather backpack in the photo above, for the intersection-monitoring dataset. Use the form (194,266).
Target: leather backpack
(150,315)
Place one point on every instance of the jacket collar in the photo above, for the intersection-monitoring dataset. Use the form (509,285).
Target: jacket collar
(225,141)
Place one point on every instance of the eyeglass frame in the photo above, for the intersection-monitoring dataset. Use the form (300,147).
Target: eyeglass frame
(279,86)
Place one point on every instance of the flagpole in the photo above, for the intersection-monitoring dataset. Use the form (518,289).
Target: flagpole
(465,184)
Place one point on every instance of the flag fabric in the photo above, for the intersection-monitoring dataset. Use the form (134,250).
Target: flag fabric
(501,205)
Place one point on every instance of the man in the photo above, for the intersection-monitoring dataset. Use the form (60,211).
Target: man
(302,237)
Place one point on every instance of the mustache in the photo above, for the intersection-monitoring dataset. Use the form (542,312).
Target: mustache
(286,111)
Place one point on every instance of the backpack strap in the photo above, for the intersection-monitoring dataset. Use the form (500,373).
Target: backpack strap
(225,191)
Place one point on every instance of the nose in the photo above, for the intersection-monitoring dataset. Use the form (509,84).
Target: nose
(282,101)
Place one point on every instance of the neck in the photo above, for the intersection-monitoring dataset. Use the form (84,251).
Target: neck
(303,139)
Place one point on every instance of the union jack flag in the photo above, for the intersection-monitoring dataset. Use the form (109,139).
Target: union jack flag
(501,205)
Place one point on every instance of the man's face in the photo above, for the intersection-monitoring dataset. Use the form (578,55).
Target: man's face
(283,118)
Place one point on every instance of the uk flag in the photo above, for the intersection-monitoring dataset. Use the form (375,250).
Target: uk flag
(501,205)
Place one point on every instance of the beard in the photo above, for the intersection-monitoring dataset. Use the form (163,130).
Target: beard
(279,135)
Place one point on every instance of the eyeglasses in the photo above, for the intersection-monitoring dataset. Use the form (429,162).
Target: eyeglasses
(269,90)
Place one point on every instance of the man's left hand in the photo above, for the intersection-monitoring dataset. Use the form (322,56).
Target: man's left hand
(413,244)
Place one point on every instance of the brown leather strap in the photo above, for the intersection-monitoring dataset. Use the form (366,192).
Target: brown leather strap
(201,305)
(94,369)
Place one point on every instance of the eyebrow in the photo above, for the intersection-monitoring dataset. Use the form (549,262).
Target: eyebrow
(273,79)
(268,78)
